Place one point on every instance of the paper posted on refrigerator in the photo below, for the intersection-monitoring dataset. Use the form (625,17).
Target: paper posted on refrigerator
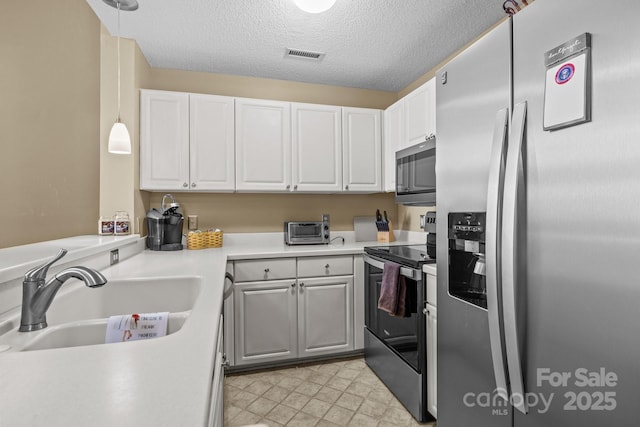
(135,327)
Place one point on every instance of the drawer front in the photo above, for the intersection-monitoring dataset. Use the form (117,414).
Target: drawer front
(325,266)
(265,269)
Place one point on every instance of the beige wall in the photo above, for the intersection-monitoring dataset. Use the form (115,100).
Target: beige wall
(120,174)
(58,87)
(49,120)
(241,213)
(251,87)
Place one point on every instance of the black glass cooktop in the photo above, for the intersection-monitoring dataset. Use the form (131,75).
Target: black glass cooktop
(410,255)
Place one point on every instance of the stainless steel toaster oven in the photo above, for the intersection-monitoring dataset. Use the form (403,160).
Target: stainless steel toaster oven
(307,233)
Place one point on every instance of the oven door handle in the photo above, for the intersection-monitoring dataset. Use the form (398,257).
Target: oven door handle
(405,271)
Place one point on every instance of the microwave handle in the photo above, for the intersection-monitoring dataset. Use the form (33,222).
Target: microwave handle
(407,272)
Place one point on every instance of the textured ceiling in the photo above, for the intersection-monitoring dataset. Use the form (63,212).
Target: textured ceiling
(372,44)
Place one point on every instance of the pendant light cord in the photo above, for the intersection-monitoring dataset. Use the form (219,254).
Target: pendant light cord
(118,61)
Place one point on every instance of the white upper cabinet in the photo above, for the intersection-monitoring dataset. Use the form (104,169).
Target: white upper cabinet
(393,140)
(362,150)
(263,145)
(164,140)
(420,114)
(212,138)
(317,147)
(186,141)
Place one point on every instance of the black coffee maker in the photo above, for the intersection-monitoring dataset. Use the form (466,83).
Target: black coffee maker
(165,226)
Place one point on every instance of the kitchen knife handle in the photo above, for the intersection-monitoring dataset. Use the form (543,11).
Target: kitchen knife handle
(513,177)
(492,249)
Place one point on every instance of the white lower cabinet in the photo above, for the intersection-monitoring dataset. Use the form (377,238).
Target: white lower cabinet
(309,314)
(325,315)
(266,321)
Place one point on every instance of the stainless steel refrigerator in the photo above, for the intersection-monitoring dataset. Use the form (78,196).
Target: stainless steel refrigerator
(543,225)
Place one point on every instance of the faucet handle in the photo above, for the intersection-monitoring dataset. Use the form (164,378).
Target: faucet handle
(40,273)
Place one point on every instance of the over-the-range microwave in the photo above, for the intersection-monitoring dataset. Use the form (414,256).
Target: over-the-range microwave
(416,174)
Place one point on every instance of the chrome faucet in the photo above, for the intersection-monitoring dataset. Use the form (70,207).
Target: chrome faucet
(38,295)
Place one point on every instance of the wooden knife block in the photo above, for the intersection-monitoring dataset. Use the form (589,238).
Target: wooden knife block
(386,236)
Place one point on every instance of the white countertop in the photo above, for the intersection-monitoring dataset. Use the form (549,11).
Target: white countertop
(161,382)
(430,269)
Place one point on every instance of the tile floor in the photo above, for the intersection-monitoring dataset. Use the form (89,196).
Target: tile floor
(324,394)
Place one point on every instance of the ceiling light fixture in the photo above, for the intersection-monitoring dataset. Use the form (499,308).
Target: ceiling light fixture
(315,6)
(119,139)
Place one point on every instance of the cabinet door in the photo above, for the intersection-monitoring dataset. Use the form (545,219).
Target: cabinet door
(265,321)
(325,315)
(393,140)
(432,359)
(263,145)
(362,150)
(317,147)
(419,113)
(164,140)
(212,141)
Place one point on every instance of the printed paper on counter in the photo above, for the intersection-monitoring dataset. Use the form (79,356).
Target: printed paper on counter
(134,327)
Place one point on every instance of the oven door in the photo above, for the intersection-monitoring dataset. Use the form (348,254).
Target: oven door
(403,335)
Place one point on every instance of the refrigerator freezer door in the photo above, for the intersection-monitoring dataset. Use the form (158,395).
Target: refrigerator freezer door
(476,89)
(582,240)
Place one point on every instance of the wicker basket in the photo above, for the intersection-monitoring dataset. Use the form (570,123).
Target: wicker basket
(204,239)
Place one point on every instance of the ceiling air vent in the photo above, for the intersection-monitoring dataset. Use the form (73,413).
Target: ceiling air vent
(298,53)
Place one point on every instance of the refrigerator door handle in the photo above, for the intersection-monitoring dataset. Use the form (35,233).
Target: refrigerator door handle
(513,173)
(492,246)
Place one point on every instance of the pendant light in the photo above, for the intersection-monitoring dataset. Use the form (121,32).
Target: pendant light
(315,6)
(119,139)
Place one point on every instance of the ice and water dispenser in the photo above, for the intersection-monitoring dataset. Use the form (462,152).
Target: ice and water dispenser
(467,257)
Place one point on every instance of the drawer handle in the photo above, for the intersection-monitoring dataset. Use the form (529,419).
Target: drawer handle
(266,270)
(326,266)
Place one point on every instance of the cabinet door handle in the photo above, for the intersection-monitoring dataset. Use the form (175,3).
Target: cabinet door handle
(425,311)
(346,187)
(301,284)
(185,185)
(288,186)
(266,270)
(193,184)
(293,285)
(326,266)
(295,187)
